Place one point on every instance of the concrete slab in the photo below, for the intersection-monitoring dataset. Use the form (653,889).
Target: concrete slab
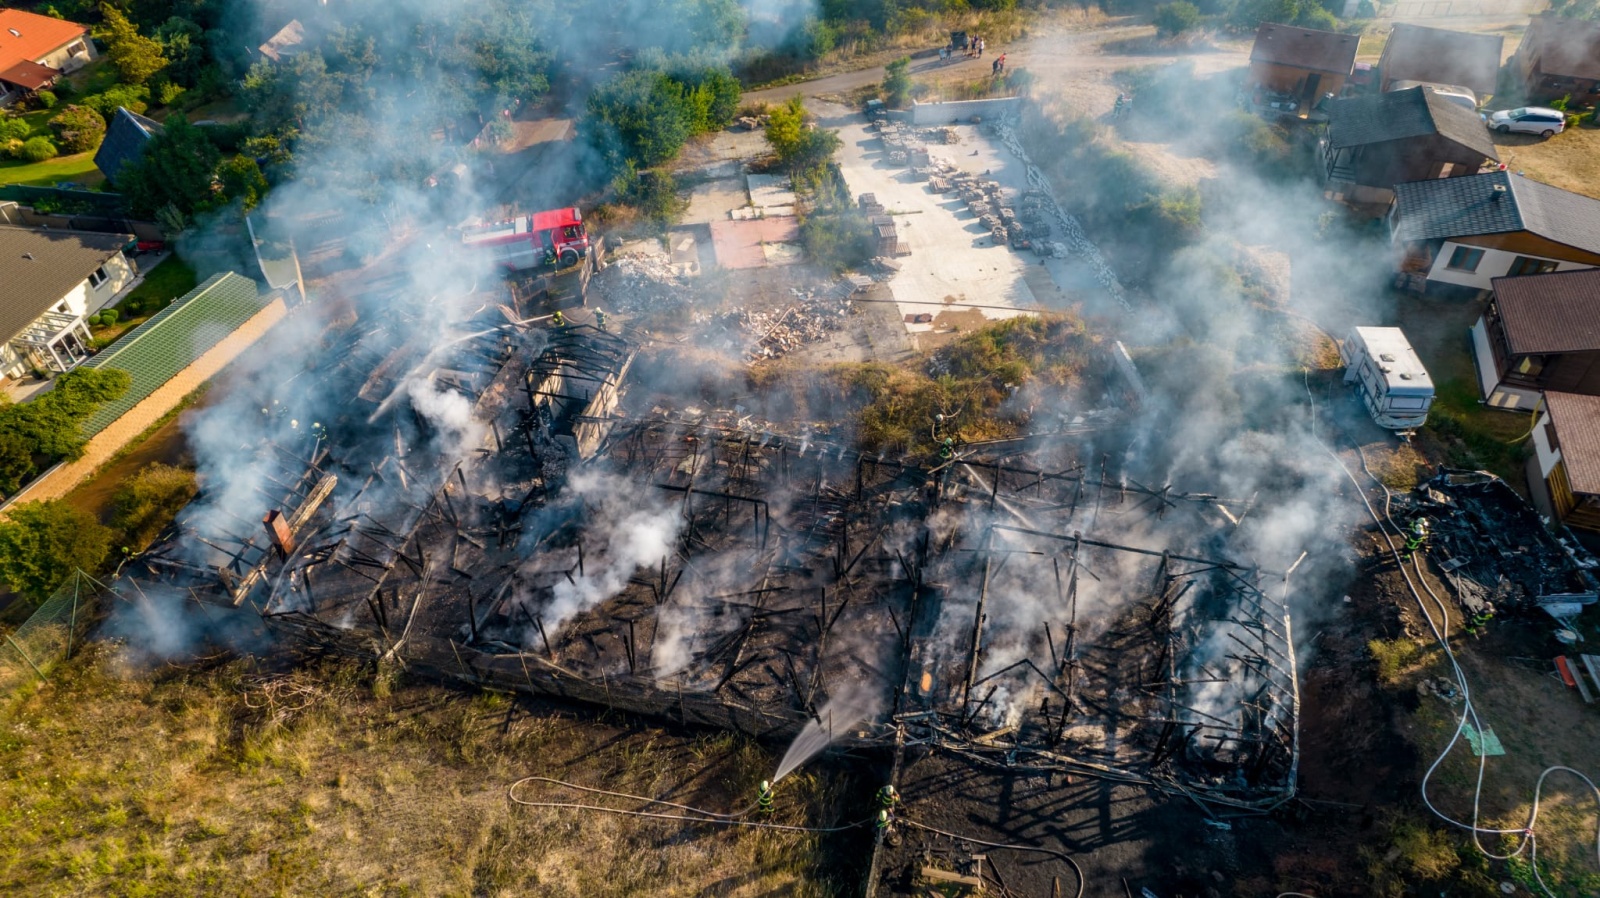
(769,193)
(713,200)
(953,261)
(742,244)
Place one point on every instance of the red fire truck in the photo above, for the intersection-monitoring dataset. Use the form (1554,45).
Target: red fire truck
(555,236)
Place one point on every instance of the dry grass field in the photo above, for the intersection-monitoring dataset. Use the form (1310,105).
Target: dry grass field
(222,780)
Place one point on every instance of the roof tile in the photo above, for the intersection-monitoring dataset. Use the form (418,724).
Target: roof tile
(1558,312)
(1577,421)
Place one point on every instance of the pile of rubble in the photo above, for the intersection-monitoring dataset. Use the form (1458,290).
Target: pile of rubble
(813,317)
(1492,546)
(637,283)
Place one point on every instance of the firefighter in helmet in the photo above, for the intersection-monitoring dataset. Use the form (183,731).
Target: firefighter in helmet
(1416,539)
(600,318)
(764,799)
(887,798)
(558,319)
(947,449)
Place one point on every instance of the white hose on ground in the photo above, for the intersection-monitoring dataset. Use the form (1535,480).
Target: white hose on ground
(1529,840)
(701,816)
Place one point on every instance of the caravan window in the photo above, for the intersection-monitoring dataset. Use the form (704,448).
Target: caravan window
(1411,402)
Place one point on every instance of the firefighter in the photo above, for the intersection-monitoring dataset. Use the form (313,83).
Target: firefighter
(600,318)
(1116,111)
(1479,621)
(764,799)
(558,319)
(947,449)
(1415,541)
(882,824)
(888,798)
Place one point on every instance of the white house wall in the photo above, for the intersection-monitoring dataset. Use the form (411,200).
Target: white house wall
(1544,455)
(1495,263)
(68,62)
(1494,393)
(119,274)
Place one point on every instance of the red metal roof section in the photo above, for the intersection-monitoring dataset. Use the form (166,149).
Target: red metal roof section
(25,37)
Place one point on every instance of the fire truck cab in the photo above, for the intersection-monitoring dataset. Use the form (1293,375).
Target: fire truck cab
(553,237)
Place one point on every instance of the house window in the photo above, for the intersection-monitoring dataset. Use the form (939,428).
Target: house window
(98,277)
(1529,265)
(76,49)
(1465,258)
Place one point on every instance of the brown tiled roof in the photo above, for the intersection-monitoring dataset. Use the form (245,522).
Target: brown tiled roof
(1545,313)
(39,267)
(1569,47)
(26,36)
(1577,421)
(29,75)
(1420,53)
(1304,48)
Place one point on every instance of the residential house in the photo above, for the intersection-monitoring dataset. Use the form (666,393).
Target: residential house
(1437,56)
(53,279)
(35,50)
(1564,472)
(124,142)
(1559,58)
(1461,233)
(1380,140)
(1539,333)
(1299,65)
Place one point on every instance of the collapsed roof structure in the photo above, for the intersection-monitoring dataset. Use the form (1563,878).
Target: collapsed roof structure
(1023,603)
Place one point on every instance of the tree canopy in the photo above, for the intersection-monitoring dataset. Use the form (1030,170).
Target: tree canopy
(800,148)
(135,57)
(644,116)
(178,167)
(42,543)
(47,429)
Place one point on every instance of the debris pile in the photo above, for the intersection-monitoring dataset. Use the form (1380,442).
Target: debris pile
(1493,548)
(642,282)
(812,318)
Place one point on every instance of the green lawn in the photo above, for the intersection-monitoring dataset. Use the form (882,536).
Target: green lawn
(162,284)
(78,168)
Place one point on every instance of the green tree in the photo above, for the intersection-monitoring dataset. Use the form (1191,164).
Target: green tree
(800,147)
(177,168)
(146,502)
(897,82)
(643,116)
(42,543)
(135,57)
(1175,18)
(78,129)
(50,425)
(16,462)
(242,180)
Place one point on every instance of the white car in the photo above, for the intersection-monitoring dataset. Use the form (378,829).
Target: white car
(1529,120)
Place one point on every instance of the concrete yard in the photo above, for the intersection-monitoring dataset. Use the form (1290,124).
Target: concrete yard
(953,258)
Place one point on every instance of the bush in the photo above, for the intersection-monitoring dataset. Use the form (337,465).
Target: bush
(109,317)
(1175,18)
(838,240)
(38,149)
(41,543)
(46,99)
(78,129)
(146,502)
(133,96)
(14,129)
(168,93)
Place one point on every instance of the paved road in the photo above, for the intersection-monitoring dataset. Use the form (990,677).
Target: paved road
(1049,56)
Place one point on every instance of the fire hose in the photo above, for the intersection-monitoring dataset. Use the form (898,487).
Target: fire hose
(700,815)
(1529,839)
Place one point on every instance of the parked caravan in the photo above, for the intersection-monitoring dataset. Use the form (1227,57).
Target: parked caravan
(1388,376)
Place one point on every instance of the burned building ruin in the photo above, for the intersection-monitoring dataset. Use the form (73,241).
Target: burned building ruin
(495,506)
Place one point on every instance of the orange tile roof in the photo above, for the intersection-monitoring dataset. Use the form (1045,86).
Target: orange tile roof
(25,36)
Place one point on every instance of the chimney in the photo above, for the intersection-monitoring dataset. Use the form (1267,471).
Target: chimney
(1499,191)
(278,532)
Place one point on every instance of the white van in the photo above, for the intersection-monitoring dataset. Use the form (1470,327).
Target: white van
(1388,376)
